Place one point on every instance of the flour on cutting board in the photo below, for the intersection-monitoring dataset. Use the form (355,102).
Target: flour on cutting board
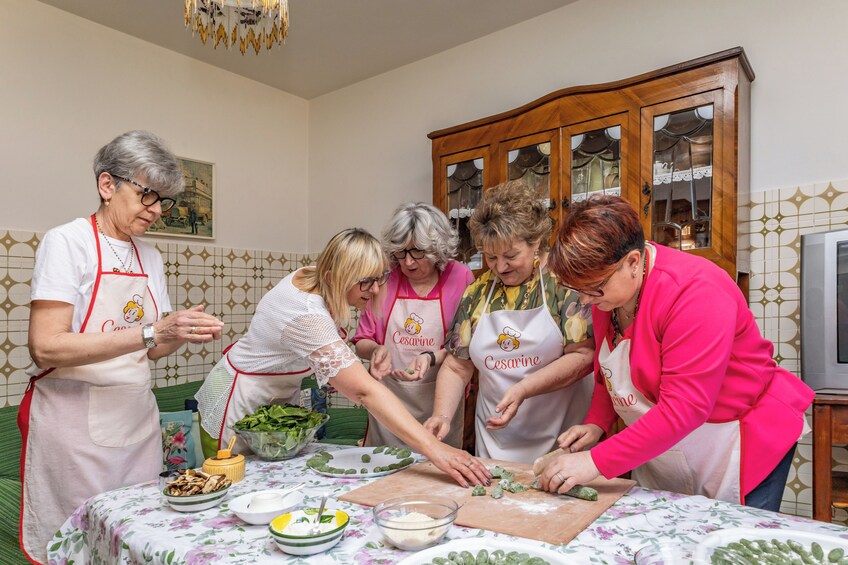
(530,507)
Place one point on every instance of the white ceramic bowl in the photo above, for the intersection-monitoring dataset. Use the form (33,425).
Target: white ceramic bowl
(390,517)
(196,502)
(244,508)
(298,543)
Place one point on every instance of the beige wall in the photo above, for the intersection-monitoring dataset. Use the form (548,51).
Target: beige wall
(368,147)
(68,86)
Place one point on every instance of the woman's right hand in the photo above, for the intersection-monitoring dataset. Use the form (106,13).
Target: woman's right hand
(462,467)
(438,426)
(578,438)
(381,362)
(192,326)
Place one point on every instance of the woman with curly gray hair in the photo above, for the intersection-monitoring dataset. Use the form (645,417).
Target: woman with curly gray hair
(403,338)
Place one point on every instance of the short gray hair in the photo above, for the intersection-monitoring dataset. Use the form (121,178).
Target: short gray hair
(425,227)
(141,153)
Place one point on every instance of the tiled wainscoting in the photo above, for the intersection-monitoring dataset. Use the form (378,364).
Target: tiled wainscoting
(231,282)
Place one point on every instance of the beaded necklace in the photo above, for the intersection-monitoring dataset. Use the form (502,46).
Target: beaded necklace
(618,333)
(127,268)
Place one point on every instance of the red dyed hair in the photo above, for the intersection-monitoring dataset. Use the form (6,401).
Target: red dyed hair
(595,235)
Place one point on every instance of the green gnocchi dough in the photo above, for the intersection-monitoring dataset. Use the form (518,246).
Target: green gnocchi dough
(364,471)
(379,449)
(583,492)
(366,458)
(497,492)
(479,490)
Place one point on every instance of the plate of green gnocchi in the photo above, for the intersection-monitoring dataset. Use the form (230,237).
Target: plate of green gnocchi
(481,550)
(362,462)
(756,546)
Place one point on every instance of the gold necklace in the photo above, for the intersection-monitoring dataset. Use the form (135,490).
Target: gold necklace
(618,332)
(127,269)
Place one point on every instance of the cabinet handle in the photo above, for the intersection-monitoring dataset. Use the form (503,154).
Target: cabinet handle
(646,190)
(565,202)
(552,205)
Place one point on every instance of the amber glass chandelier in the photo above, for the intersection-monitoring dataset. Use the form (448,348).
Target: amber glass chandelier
(244,24)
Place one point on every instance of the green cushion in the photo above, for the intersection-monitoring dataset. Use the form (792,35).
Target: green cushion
(10,439)
(346,425)
(172,398)
(10,509)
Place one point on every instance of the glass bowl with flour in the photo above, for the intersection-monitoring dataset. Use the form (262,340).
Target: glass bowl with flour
(413,522)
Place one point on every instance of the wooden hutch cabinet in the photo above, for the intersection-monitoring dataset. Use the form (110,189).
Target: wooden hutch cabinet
(674,142)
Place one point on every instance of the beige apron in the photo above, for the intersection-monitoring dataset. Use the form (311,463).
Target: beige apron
(705,462)
(249,391)
(91,428)
(414,325)
(508,345)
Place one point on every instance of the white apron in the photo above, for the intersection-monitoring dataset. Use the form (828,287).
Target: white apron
(508,345)
(414,325)
(91,428)
(705,462)
(250,390)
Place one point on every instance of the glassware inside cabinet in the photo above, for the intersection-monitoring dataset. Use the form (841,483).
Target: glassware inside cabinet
(682,178)
(464,189)
(533,165)
(596,163)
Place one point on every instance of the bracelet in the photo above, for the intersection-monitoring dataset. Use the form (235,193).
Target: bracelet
(443,417)
(431,355)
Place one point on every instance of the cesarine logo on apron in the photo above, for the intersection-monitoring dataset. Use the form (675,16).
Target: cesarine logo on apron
(620,401)
(132,312)
(508,341)
(412,328)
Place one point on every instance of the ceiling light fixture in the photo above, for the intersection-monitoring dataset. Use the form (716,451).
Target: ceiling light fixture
(239,23)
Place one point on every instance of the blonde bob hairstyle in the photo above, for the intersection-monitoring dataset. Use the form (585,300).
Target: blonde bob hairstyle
(507,213)
(350,255)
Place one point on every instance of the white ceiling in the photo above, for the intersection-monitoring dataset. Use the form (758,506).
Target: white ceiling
(331,43)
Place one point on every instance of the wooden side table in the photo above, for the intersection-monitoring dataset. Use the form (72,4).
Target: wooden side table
(830,426)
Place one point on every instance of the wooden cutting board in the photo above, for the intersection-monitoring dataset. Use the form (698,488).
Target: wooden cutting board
(533,514)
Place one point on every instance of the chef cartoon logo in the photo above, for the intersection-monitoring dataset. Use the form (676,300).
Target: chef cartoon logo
(508,339)
(133,311)
(606,373)
(412,325)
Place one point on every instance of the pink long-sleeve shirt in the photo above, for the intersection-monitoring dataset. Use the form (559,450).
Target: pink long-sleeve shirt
(697,353)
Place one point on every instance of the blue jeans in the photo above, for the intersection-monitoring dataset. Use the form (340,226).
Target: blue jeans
(768,494)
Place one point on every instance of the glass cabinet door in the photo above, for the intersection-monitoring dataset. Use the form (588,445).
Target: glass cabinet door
(464,179)
(682,196)
(596,163)
(532,159)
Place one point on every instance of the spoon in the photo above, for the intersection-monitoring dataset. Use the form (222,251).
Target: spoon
(316,525)
(290,490)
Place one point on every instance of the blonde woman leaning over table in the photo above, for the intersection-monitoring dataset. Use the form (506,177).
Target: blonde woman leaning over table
(295,332)
(98,300)
(680,359)
(403,340)
(526,335)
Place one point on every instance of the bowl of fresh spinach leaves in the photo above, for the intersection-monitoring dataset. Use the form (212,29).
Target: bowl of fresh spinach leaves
(279,431)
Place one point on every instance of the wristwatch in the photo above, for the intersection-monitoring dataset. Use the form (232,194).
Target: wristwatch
(147,334)
(431,355)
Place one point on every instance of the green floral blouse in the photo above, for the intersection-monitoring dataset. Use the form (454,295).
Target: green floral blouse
(574,320)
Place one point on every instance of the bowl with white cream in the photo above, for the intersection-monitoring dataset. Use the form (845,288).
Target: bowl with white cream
(297,532)
(417,521)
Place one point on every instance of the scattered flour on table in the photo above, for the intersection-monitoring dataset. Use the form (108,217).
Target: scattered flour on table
(529,507)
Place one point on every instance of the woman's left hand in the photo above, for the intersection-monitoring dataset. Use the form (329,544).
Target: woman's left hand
(568,470)
(415,371)
(192,326)
(507,407)
(466,470)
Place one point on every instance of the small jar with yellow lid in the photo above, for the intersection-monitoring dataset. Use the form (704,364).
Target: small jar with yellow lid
(225,463)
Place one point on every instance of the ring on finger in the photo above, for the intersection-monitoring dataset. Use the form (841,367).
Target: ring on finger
(470,463)
(561,478)
(193,330)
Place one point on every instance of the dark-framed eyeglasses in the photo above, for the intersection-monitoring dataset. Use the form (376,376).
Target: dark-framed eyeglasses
(415,253)
(366,284)
(149,197)
(597,291)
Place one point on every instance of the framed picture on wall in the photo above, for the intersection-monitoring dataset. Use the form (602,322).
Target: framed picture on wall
(193,214)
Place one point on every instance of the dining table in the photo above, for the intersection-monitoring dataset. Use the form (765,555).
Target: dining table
(135,525)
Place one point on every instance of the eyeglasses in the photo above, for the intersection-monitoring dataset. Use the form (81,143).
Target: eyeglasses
(366,284)
(149,197)
(598,290)
(414,253)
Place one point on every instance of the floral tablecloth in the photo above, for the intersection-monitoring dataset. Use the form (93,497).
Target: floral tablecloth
(134,525)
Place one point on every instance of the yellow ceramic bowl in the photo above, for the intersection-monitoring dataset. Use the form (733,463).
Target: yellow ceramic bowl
(291,531)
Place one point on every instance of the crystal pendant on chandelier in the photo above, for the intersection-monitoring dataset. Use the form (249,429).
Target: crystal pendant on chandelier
(239,23)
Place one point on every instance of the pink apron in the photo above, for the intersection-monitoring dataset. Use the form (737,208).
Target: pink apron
(705,462)
(92,428)
(414,324)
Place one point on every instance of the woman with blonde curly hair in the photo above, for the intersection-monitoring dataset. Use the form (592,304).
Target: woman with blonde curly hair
(527,336)
(404,340)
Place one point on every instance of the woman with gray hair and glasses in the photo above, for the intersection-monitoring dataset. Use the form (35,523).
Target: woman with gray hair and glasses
(99,296)
(403,338)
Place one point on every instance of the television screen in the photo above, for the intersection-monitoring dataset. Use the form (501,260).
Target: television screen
(842,302)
